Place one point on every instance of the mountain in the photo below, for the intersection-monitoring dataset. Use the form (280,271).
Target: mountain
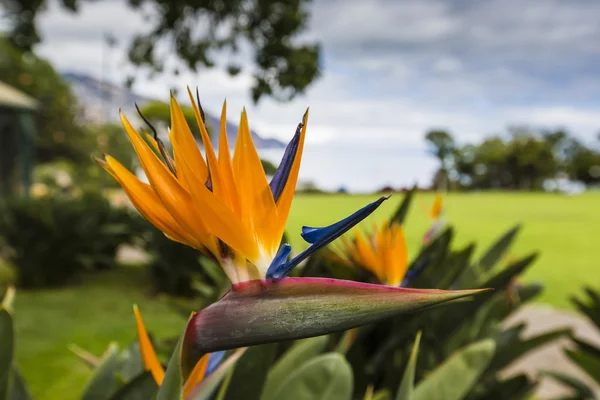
(101,100)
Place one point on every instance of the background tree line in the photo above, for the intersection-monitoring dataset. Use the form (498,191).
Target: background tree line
(521,159)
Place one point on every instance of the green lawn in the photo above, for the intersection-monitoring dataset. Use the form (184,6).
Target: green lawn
(90,315)
(98,311)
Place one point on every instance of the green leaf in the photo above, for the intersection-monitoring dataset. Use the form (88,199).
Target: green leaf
(18,390)
(587,362)
(103,383)
(131,362)
(9,299)
(347,340)
(400,214)
(142,387)
(250,373)
(454,267)
(325,377)
(587,347)
(406,388)
(453,379)
(298,354)
(582,390)
(382,394)
(518,387)
(6,351)
(85,356)
(512,351)
(172,385)
(293,308)
(205,389)
(498,249)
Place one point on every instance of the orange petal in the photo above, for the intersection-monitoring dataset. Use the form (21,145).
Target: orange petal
(398,255)
(176,200)
(147,203)
(149,357)
(182,133)
(196,376)
(218,186)
(436,208)
(253,188)
(217,217)
(225,163)
(367,256)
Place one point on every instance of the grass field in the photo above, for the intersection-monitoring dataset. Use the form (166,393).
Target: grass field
(564,229)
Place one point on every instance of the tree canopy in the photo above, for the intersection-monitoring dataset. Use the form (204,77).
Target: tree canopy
(522,159)
(197,31)
(56,119)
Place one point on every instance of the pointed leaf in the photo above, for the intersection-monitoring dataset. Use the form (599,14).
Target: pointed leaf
(6,351)
(9,299)
(172,385)
(453,379)
(18,390)
(512,351)
(498,249)
(518,387)
(265,311)
(587,362)
(298,354)
(347,340)
(251,371)
(142,387)
(85,356)
(325,377)
(131,364)
(406,388)
(382,394)
(582,390)
(103,383)
(587,347)
(400,214)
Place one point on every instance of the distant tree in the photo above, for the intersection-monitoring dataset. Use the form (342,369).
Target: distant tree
(442,146)
(585,166)
(58,130)
(196,31)
(160,112)
(269,167)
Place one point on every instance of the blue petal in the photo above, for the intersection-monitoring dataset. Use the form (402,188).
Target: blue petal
(282,174)
(214,359)
(320,237)
(414,273)
(280,258)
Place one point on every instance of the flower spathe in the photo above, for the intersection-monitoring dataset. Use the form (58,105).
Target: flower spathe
(382,252)
(221,205)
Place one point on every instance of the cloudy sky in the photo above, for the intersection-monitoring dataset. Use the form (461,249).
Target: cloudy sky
(393,69)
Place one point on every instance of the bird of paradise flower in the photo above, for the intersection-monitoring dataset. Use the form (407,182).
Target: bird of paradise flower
(225,207)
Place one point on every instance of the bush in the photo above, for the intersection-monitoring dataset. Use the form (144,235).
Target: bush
(180,270)
(50,239)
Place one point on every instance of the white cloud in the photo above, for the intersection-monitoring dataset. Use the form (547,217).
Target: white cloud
(392,69)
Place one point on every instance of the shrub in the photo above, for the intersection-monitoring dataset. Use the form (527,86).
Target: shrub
(50,239)
(180,270)
(583,353)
